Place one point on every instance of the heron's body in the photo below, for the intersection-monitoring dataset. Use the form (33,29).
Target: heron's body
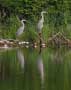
(40,23)
(40,26)
(21,29)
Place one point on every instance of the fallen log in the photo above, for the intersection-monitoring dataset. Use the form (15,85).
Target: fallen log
(56,40)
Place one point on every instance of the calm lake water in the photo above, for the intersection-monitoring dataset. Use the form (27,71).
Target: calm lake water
(32,69)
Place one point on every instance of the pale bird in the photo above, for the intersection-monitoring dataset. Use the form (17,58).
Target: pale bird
(41,22)
(21,29)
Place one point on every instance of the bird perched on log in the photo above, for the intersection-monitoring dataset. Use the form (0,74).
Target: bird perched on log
(40,27)
(21,29)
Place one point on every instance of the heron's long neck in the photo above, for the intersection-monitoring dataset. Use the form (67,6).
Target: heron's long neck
(42,17)
(22,24)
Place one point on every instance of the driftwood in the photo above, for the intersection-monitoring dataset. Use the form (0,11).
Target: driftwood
(57,40)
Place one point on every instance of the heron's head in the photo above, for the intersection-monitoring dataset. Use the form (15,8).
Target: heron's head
(23,21)
(43,12)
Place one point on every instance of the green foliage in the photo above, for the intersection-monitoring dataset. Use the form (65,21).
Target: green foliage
(57,19)
(26,7)
(8,30)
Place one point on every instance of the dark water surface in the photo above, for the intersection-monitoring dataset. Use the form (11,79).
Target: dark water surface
(30,69)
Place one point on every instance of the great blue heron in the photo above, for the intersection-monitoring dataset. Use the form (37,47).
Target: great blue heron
(40,23)
(21,29)
(40,26)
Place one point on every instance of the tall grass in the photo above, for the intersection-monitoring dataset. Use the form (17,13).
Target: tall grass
(9,29)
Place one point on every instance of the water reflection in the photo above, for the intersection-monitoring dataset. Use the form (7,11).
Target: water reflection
(20,56)
(7,64)
(47,69)
(40,67)
(57,57)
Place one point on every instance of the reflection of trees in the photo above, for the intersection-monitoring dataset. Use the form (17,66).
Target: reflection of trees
(57,56)
(8,65)
(4,70)
(31,73)
(67,70)
(56,70)
(56,65)
(10,69)
(4,66)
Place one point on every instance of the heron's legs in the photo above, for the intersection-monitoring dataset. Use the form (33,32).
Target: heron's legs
(40,39)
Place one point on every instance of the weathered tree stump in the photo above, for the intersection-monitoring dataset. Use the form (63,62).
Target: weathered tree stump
(59,39)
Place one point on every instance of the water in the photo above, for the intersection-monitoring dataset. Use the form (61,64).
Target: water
(32,69)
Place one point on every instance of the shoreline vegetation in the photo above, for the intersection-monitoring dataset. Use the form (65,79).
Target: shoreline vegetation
(55,40)
(57,19)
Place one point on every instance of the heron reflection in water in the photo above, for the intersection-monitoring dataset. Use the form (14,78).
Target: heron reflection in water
(20,57)
(40,67)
